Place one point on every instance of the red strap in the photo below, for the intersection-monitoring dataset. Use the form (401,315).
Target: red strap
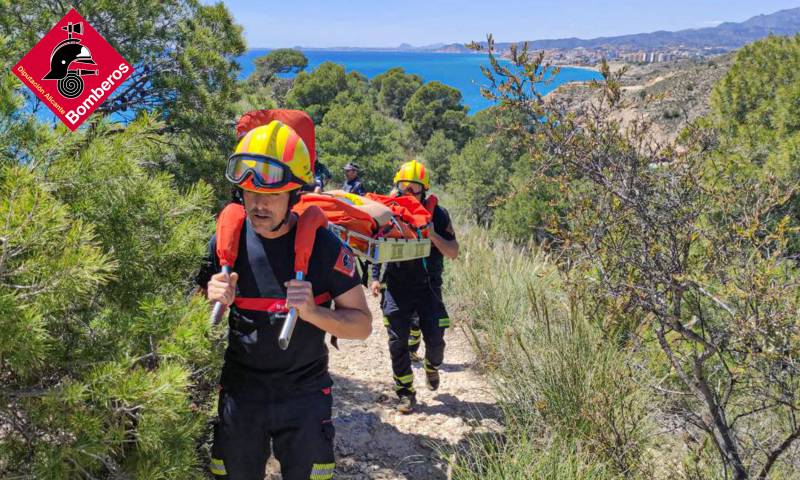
(273,305)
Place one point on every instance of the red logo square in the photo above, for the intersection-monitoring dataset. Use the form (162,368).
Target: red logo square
(346,263)
(73,69)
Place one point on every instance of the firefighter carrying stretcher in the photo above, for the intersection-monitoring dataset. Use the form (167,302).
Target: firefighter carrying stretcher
(269,395)
(414,289)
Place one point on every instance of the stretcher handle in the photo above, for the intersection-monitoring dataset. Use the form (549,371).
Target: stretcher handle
(288,325)
(219,307)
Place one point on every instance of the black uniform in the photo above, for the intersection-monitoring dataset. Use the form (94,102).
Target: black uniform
(321,175)
(414,288)
(267,393)
(354,186)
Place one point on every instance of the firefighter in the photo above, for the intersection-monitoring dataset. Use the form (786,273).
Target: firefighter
(414,289)
(271,399)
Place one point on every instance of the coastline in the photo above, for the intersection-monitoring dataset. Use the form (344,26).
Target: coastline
(593,68)
(457,70)
(614,65)
(370,50)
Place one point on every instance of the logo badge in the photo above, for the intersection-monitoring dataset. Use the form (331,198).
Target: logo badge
(73,70)
(345,264)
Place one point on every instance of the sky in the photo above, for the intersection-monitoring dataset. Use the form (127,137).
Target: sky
(377,23)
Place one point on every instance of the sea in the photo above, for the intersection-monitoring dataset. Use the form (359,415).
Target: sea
(458,70)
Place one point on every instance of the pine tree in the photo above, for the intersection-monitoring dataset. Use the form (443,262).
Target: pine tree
(106,358)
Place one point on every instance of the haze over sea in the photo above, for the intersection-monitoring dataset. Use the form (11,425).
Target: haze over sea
(458,70)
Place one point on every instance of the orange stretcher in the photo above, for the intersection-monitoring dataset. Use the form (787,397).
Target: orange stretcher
(378,228)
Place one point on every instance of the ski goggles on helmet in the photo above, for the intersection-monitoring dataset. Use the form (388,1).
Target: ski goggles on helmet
(266,172)
(407,186)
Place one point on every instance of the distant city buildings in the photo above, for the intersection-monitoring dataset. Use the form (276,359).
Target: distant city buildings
(653,57)
(592,56)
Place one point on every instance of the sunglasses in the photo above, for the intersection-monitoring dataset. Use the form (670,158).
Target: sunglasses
(267,172)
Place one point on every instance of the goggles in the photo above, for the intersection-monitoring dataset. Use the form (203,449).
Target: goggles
(406,186)
(266,172)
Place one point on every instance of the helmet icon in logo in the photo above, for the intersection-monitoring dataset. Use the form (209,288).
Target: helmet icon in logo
(67,53)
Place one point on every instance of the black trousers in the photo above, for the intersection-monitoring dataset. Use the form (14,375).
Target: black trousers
(299,428)
(400,310)
(414,335)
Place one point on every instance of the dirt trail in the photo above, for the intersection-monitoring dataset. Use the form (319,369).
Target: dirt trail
(649,83)
(375,442)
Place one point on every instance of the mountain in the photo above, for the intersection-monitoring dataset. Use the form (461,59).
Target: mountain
(725,36)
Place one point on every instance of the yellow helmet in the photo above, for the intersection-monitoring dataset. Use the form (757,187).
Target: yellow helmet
(271,158)
(413,171)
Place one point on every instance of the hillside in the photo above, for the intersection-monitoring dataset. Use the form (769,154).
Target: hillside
(667,94)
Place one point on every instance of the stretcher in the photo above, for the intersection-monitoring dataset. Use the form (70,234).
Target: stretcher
(382,250)
(377,228)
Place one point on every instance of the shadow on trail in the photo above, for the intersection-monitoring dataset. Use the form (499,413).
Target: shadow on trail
(452,406)
(455,367)
(368,446)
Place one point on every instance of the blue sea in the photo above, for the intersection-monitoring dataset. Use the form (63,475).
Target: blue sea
(458,70)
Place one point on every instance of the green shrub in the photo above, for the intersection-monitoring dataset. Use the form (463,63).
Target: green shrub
(357,133)
(565,389)
(107,365)
(478,177)
(438,157)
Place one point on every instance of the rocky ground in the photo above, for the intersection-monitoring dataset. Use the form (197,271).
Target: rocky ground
(373,441)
